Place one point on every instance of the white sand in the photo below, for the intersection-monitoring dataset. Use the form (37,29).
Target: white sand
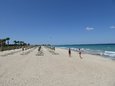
(56,70)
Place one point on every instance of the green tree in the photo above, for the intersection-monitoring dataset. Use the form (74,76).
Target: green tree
(2,43)
(15,42)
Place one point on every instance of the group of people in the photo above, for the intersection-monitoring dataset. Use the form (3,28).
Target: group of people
(69,52)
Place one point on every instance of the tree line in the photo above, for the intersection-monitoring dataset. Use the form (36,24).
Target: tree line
(5,45)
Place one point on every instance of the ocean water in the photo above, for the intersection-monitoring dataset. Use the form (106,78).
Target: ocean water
(106,50)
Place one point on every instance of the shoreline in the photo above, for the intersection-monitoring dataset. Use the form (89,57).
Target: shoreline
(84,52)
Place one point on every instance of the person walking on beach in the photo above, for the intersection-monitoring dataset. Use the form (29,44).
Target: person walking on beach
(39,49)
(80,53)
(23,48)
(69,51)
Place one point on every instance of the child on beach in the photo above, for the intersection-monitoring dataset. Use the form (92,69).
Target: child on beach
(80,53)
(69,52)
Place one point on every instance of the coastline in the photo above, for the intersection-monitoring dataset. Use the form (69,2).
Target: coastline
(101,53)
(56,69)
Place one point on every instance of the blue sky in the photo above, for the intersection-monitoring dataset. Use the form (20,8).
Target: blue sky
(58,21)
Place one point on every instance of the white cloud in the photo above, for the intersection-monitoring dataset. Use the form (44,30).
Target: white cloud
(112,27)
(89,28)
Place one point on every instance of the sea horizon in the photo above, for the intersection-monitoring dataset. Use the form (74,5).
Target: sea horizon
(84,44)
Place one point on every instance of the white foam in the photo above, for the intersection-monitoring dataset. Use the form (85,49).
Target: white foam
(109,53)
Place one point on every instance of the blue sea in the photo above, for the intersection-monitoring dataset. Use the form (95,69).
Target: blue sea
(106,50)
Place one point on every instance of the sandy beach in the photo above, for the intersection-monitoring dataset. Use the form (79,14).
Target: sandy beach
(54,68)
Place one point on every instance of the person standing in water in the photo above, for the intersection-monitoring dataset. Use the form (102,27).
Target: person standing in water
(80,53)
(69,52)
